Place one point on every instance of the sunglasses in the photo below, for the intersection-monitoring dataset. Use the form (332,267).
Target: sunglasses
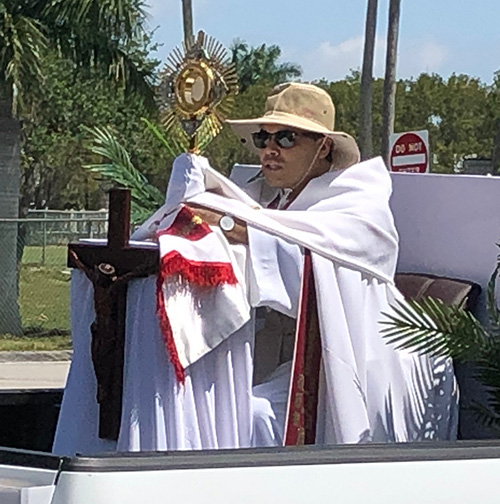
(283,138)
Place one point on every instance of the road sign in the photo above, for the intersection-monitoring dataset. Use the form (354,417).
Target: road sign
(410,152)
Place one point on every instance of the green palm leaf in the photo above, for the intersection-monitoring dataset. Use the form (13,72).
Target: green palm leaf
(23,42)
(172,146)
(431,326)
(485,416)
(145,197)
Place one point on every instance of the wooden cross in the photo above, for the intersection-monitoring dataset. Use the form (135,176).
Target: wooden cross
(109,268)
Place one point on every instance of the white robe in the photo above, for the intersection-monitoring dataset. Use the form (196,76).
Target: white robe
(368,390)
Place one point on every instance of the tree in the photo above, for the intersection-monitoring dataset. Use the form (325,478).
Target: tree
(366,94)
(260,65)
(22,40)
(389,103)
(345,95)
(495,154)
(55,146)
(92,33)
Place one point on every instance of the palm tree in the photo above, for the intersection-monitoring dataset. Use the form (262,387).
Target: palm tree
(90,32)
(365,119)
(187,17)
(495,155)
(389,102)
(260,64)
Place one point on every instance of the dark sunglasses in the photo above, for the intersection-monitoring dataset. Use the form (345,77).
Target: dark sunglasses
(283,138)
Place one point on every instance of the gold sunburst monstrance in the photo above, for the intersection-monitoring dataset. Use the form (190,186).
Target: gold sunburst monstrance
(196,93)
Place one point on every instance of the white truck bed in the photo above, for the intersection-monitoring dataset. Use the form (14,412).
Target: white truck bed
(459,472)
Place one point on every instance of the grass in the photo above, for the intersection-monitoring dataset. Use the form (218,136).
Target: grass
(44,297)
(43,301)
(55,255)
(27,343)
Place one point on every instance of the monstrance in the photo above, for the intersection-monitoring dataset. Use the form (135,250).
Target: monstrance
(196,93)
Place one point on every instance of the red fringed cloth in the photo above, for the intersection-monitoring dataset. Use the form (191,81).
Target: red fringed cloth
(200,293)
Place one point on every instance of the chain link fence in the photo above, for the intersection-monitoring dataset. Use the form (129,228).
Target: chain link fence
(34,291)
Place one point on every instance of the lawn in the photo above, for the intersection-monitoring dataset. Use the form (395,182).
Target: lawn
(32,343)
(43,300)
(53,255)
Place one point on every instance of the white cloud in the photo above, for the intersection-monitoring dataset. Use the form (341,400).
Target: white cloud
(431,56)
(334,62)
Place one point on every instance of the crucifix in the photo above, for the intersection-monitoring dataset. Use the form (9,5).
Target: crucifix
(110,267)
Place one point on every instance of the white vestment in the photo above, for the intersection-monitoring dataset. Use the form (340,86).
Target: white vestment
(368,390)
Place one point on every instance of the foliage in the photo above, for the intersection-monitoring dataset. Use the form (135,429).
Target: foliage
(22,42)
(93,34)
(120,169)
(345,96)
(455,130)
(78,97)
(432,103)
(258,65)
(432,327)
(56,141)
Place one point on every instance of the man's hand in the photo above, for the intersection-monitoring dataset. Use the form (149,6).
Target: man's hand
(238,234)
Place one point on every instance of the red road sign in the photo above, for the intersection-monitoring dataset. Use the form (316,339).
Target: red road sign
(410,154)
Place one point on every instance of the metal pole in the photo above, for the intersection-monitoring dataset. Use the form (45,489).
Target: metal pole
(44,239)
(187,16)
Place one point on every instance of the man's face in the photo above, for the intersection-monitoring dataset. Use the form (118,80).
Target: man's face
(285,167)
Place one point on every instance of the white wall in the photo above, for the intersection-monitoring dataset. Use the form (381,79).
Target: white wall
(448,224)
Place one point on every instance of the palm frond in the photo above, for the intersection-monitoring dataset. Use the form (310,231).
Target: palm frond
(23,44)
(432,327)
(118,18)
(485,416)
(145,197)
(487,371)
(108,35)
(172,146)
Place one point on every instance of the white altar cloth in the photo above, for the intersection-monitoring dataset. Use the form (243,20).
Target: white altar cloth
(212,409)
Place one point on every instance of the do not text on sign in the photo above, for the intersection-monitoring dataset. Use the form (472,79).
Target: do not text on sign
(410,152)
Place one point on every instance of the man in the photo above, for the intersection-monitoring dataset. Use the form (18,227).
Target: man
(311,238)
(301,155)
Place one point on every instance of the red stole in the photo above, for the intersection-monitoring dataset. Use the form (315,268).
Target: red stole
(300,425)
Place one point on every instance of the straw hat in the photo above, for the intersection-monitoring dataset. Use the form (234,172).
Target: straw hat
(306,107)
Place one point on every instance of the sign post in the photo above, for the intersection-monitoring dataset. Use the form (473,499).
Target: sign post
(410,152)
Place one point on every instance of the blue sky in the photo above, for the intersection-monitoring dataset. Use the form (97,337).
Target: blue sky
(326,36)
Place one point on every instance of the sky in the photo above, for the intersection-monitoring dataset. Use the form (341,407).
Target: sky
(325,37)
